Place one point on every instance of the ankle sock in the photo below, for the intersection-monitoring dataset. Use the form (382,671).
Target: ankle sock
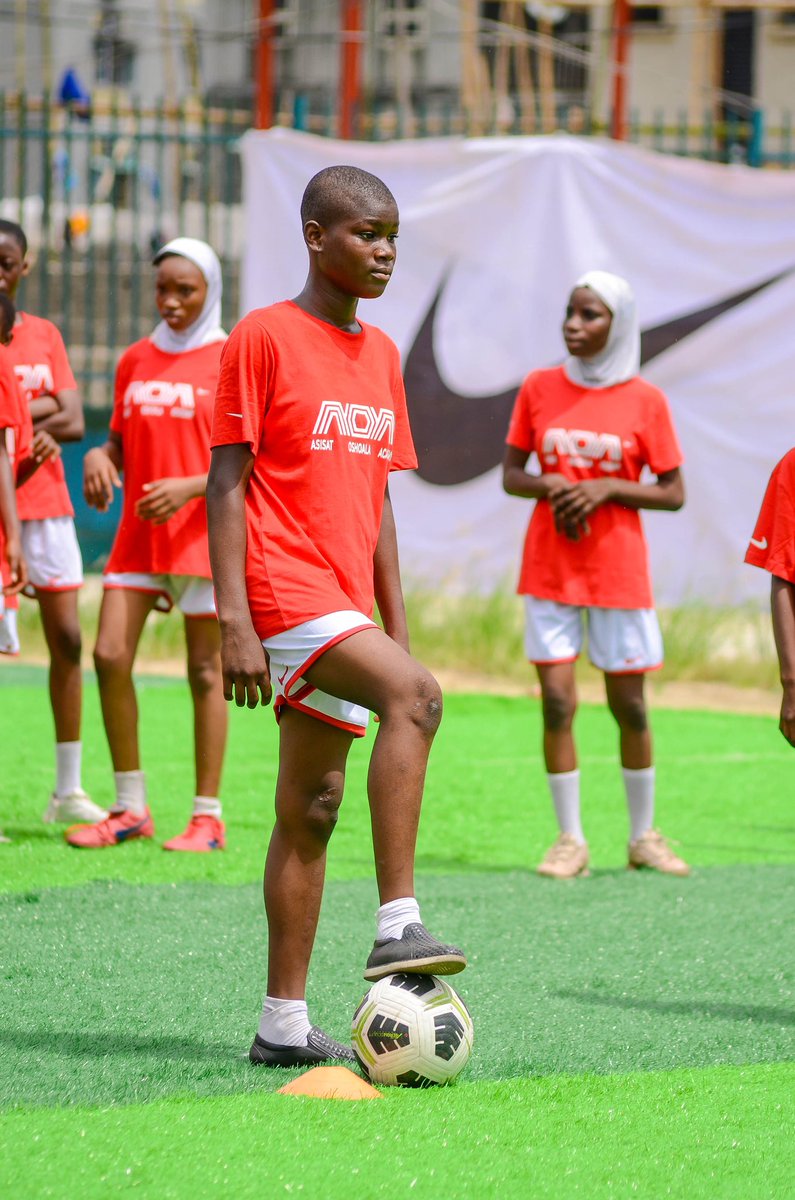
(395,915)
(207,806)
(68,765)
(130,792)
(284,1022)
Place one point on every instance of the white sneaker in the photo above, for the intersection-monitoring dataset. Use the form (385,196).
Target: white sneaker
(75,806)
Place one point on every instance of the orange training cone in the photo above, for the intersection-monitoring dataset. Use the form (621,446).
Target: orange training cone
(331,1083)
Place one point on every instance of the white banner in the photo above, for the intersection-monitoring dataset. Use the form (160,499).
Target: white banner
(492,234)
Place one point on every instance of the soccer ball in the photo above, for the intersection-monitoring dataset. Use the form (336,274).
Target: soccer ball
(412,1030)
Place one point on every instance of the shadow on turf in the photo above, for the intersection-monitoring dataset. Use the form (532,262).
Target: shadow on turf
(728,1012)
(103,1045)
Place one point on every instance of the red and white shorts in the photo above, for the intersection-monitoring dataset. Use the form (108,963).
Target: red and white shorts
(293,652)
(193,596)
(52,554)
(621,641)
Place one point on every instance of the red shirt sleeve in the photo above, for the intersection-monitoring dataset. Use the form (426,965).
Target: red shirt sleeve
(404,456)
(9,395)
(772,546)
(242,395)
(521,431)
(120,381)
(658,440)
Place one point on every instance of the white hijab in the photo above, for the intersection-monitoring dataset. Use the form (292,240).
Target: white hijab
(620,359)
(207,326)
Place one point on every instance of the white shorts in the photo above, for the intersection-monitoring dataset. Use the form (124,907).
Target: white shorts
(193,596)
(52,554)
(9,638)
(293,652)
(621,641)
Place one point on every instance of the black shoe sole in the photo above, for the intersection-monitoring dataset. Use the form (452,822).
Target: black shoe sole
(440,964)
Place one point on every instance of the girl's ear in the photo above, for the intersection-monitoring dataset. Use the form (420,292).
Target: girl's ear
(313,236)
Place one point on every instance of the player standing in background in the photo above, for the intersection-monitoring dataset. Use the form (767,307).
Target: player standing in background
(310,418)
(26,452)
(772,547)
(49,539)
(594,425)
(160,441)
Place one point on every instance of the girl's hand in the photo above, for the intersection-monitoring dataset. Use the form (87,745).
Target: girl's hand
(17,567)
(100,477)
(575,503)
(163,498)
(44,447)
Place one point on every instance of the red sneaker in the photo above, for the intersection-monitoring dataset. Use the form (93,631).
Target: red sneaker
(204,833)
(116,828)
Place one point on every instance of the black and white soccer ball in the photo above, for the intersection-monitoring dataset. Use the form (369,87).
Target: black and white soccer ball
(413,1030)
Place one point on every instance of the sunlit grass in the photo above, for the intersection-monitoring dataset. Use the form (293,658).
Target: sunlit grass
(483,636)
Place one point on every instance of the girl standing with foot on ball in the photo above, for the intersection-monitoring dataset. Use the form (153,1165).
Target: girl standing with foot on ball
(594,426)
(49,539)
(159,443)
(310,419)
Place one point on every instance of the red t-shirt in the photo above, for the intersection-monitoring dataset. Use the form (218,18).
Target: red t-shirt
(162,410)
(590,433)
(772,546)
(324,412)
(42,368)
(15,420)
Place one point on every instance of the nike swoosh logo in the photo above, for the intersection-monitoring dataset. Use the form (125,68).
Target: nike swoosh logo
(281,678)
(123,834)
(460,437)
(760,543)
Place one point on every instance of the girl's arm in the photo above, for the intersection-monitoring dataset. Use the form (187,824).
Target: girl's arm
(66,423)
(101,472)
(517,482)
(386,578)
(782,605)
(164,497)
(43,449)
(574,503)
(244,664)
(10,522)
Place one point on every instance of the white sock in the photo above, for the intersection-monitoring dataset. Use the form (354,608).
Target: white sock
(639,787)
(284,1022)
(565,789)
(207,806)
(130,792)
(395,915)
(68,763)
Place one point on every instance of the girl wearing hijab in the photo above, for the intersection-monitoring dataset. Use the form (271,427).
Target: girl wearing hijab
(159,443)
(594,426)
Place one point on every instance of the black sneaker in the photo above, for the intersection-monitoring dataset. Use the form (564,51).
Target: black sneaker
(415,953)
(319,1048)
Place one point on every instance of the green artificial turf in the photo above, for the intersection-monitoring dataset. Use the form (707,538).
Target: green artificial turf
(634,1034)
(721,1134)
(724,782)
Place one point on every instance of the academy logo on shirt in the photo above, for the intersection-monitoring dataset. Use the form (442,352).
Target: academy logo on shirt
(35,379)
(156,397)
(583,448)
(356,428)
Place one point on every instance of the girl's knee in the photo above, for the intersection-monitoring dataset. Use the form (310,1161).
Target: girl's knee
(204,675)
(558,708)
(314,819)
(66,643)
(631,713)
(111,659)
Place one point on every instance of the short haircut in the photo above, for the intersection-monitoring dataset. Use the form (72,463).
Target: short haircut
(337,192)
(8,312)
(12,230)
